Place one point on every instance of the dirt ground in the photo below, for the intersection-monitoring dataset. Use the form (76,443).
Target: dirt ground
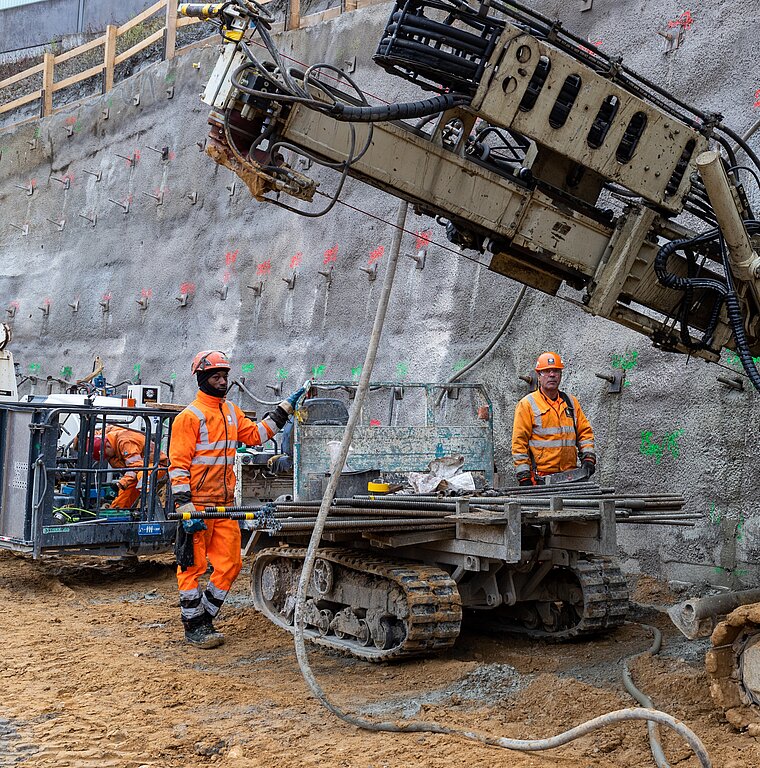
(95,674)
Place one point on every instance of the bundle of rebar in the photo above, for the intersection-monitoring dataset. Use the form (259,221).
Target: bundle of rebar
(427,512)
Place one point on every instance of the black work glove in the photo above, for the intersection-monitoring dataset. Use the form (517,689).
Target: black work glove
(590,465)
(524,479)
(183,548)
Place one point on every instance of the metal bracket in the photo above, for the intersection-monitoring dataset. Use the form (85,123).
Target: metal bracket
(74,306)
(586,5)
(11,311)
(276,388)
(291,281)
(143,301)
(193,197)
(29,188)
(201,145)
(732,383)
(159,198)
(23,228)
(231,189)
(59,224)
(105,113)
(45,309)
(170,92)
(349,65)
(257,289)
(106,304)
(531,379)
(616,380)
(673,38)
(69,131)
(66,181)
(93,221)
(163,151)
(132,160)
(32,143)
(371,272)
(222,292)
(123,206)
(98,175)
(327,274)
(136,100)
(183,299)
(418,258)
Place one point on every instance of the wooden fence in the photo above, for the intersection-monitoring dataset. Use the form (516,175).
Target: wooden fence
(108,40)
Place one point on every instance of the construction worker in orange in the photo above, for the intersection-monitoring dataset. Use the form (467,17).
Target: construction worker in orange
(204,439)
(125,449)
(550,432)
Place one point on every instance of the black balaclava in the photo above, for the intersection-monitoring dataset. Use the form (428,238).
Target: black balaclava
(205,387)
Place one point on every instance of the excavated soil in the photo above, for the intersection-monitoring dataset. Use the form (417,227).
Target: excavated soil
(95,674)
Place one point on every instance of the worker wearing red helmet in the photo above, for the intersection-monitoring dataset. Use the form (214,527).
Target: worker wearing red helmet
(204,439)
(550,432)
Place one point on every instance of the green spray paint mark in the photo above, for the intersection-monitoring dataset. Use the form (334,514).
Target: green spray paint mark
(740,528)
(34,367)
(715,516)
(626,361)
(282,374)
(66,371)
(247,367)
(37,132)
(170,78)
(318,371)
(670,443)
(459,365)
(402,370)
(136,369)
(733,359)
(173,376)
(737,572)
(356,372)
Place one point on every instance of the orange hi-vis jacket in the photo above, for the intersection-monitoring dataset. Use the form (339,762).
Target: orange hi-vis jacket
(204,439)
(127,451)
(546,436)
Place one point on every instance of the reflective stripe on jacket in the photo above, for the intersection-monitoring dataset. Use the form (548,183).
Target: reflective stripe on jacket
(202,448)
(544,431)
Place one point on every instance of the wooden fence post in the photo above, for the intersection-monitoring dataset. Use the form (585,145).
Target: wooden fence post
(294,14)
(108,57)
(48,70)
(170,35)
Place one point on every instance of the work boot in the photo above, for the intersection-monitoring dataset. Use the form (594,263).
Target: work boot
(208,621)
(201,633)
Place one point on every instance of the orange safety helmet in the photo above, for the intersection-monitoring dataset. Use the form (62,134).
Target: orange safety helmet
(547,360)
(209,358)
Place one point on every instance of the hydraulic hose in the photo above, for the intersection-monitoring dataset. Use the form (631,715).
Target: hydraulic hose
(399,111)
(655,745)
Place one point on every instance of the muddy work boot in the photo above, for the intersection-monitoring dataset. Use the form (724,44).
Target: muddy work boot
(200,632)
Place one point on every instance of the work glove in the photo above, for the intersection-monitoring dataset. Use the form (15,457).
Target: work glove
(289,403)
(590,466)
(524,479)
(190,526)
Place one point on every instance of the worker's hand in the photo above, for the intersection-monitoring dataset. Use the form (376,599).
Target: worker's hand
(524,479)
(193,526)
(289,403)
(590,466)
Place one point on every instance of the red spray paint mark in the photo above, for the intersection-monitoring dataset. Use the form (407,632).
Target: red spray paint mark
(226,276)
(70,120)
(685,21)
(230,257)
(757,98)
(331,254)
(146,293)
(172,155)
(377,254)
(107,296)
(47,302)
(264,268)
(16,305)
(595,43)
(187,288)
(374,422)
(33,183)
(295,261)
(422,239)
(137,156)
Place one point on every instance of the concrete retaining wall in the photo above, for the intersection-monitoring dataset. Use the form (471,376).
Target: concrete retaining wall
(674,428)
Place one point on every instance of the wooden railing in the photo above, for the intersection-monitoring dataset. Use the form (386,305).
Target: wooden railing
(109,40)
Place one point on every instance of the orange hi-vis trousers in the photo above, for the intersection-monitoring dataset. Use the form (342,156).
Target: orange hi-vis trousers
(220,545)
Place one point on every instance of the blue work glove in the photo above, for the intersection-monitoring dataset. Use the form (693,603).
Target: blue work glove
(289,403)
(193,526)
(190,526)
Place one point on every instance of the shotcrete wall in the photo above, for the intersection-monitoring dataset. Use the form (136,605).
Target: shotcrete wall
(674,427)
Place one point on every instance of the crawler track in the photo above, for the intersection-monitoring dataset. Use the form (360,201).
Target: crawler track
(363,605)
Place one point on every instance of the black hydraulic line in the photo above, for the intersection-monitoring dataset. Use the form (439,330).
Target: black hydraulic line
(399,111)
(743,144)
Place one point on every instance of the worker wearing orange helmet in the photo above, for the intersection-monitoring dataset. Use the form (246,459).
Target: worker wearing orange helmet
(202,448)
(550,432)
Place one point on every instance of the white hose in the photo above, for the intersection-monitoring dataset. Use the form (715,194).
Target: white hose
(522,745)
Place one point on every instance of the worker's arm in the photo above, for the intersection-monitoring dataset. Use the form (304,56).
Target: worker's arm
(184,438)
(584,435)
(131,452)
(257,433)
(522,428)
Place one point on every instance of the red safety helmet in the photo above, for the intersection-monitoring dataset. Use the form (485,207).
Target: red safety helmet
(548,360)
(209,358)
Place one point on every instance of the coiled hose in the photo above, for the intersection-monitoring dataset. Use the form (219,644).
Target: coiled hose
(399,111)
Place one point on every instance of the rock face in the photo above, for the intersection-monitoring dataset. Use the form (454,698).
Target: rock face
(124,260)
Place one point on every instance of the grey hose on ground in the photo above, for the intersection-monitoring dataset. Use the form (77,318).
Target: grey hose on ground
(524,745)
(655,745)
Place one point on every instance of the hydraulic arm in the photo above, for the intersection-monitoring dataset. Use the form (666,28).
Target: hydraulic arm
(572,172)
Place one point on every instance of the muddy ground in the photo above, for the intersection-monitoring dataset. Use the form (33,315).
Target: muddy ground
(95,674)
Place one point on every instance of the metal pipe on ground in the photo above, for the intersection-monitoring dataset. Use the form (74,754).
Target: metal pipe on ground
(698,617)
